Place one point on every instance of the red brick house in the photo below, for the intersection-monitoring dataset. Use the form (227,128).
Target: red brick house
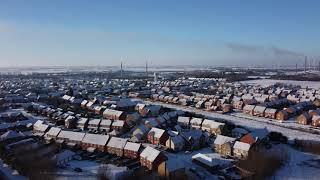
(116,146)
(259,111)
(282,115)
(157,136)
(248,109)
(270,113)
(95,141)
(132,150)
(316,121)
(304,118)
(114,114)
(151,158)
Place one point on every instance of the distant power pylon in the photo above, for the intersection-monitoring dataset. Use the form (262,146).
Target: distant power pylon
(121,70)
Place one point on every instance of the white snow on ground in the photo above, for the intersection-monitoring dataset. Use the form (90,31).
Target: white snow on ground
(302,72)
(250,124)
(268,82)
(86,166)
(299,166)
(186,159)
(9,173)
(89,170)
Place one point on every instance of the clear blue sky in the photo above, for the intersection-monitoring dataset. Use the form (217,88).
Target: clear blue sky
(166,32)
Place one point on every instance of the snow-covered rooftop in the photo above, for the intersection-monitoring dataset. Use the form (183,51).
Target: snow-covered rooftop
(132,146)
(117,142)
(223,139)
(54,131)
(157,132)
(74,136)
(97,139)
(150,153)
(241,145)
(212,124)
(94,121)
(210,159)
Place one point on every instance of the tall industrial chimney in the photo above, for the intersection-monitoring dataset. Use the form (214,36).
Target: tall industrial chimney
(147,69)
(121,71)
(305,64)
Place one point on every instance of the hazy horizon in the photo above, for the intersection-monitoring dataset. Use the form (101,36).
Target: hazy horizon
(206,33)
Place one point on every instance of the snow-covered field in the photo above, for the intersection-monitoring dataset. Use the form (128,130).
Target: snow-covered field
(89,170)
(9,173)
(268,82)
(186,160)
(299,166)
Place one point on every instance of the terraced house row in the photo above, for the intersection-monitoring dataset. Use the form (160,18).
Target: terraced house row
(149,156)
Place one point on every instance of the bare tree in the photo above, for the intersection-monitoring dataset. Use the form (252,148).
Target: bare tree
(263,163)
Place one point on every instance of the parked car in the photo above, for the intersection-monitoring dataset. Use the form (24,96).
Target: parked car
(77,169)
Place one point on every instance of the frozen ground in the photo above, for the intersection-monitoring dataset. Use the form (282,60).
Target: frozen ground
(186,160)
(7,173)
(250,124)
(268,82)
(89,168)
(299,166)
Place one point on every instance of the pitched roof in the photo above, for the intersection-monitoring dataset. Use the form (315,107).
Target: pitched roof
(315,117)
(10,134)
(105,122)
(157,132)
(210,159)
(97,139)
(212,123)
(118,123)
(270,110)
(196,120)
(248,107)
(132,146)
(192,133)
(150,153)
(117,142)
(112,112)
(183,119)
(54,131)
(259,108)
(95,121)
(40,127)
(223,139)
(241,145)
(82,120)
(74,136)
(177,139)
